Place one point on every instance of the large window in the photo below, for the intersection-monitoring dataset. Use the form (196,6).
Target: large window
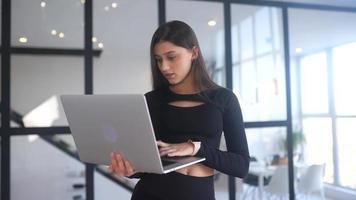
(328,111)
(323,62)
(257,54)
(344,67)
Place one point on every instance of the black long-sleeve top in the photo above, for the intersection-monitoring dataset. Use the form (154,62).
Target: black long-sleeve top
(219,112)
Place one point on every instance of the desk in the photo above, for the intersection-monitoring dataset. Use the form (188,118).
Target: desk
(261,171)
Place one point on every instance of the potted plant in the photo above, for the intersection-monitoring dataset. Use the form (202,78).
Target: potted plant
(298,142)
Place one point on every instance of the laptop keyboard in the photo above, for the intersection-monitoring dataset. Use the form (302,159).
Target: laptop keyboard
(166,162)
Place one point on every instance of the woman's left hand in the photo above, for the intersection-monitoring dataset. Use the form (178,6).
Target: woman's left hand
(179,149)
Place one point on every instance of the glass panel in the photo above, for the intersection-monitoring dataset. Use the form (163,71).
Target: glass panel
(35,162)
(268,172)
(47,23)
(263,20)
(344,65)
(247,43)
(346,137)
(264,143)
(317,150)
(326,43)
(222,186)
(258,69)
(124,65)
(106,189)
(314,84)
(37,82)
(209,28)
(66,141)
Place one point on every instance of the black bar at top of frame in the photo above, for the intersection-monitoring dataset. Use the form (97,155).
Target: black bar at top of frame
(289,5)
(50,51)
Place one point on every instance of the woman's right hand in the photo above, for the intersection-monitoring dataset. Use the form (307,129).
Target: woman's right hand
(120,165)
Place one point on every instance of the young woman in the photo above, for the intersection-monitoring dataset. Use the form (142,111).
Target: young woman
(189,112)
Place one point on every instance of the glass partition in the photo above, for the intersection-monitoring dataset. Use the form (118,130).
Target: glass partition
(123,32)
(323,66)
(258,62)
(35,163)
(47,24)
(37,82)
(268,172)
(209,28)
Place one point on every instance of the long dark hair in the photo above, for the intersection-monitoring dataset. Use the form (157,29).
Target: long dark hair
(180,34)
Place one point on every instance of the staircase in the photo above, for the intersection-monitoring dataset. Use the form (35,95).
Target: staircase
(63,144)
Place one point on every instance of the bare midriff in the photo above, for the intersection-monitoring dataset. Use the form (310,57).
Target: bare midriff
(198,170)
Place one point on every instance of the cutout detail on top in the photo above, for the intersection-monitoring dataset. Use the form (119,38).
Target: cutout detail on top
(185,104)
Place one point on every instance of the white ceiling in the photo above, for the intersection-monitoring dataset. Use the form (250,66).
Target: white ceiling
(324,2)
(132,23)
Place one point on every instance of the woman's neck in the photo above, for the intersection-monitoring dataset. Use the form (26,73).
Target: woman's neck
(187,86)
(182,89)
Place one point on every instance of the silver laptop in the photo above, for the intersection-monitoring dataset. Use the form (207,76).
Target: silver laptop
(101,124)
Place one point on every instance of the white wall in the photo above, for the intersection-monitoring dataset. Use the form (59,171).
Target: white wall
(39,171)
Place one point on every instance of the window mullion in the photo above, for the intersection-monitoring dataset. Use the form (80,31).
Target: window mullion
(332,112)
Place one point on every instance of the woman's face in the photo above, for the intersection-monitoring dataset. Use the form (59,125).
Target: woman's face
(173,61)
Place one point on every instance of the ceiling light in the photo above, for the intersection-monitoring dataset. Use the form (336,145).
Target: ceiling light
(61,35)
(212,23)
(23,39)
(298,50)
(106,8)
(54,32)
(100,45)
(114,5)
(94,39)
(82,1)
(43,4)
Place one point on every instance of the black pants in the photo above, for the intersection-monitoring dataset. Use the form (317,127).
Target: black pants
(174,186)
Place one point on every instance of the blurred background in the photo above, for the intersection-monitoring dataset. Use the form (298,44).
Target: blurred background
(291,63)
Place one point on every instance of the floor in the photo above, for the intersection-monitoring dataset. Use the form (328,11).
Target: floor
(222,193)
